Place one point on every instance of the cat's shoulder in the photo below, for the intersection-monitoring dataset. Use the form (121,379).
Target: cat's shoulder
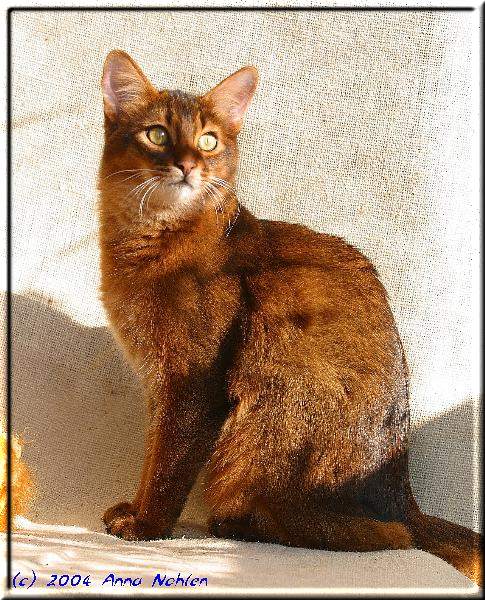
(298,244)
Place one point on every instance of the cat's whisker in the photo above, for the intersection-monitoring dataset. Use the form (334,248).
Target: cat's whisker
(223,183)
(131,177)
(153,190)
(233,219)
(128,171)
(140,186)
(220,179)
(216,195)
(206,189)
(215,201)
(217,191)
(148,189)
(230,223)
(230,190)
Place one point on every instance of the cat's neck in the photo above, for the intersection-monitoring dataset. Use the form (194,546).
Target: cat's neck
(157,247)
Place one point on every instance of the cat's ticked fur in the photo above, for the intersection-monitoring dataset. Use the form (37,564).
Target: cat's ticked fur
(267,351)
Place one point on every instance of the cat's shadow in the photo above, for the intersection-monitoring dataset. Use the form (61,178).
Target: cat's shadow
(81,412)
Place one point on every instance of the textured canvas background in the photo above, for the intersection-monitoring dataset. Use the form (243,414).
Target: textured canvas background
(362,126)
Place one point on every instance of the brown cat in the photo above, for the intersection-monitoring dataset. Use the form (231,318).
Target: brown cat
(266,349)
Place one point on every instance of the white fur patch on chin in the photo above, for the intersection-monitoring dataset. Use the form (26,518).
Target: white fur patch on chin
(186,192)
(178,202)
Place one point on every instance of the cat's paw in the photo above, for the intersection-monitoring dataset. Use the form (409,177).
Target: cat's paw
(121,509)
(129,527)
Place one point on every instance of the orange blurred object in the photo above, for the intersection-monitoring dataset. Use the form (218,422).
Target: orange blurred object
(21,480)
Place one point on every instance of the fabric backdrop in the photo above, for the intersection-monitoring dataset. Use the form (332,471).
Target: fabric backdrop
(363,126)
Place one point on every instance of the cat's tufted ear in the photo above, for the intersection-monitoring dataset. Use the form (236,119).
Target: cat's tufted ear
(230,98)
(124,85)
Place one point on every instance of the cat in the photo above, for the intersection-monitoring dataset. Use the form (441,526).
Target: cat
(267,351)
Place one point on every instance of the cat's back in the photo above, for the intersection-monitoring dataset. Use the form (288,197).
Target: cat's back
(295,264)
(292,243)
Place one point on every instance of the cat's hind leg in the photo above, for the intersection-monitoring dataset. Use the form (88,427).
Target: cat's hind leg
(276,473)
(324,530)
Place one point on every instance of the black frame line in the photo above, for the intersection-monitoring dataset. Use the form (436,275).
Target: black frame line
(9,306)
(8,56)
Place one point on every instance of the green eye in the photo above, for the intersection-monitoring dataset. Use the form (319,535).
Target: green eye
(158,135)
(207,142)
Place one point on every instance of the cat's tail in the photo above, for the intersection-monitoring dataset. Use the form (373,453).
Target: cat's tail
(457,545)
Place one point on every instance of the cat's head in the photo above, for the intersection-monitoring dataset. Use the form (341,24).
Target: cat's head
(169,155)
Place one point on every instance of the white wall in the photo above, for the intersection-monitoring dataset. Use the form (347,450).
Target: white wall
(363,126)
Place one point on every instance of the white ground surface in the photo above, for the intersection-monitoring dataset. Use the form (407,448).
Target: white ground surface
(230,567)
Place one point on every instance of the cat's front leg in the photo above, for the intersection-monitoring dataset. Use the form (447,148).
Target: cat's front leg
(182,432)
(125,509)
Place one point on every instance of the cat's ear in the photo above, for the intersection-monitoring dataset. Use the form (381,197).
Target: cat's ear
(124,85)
(230,98)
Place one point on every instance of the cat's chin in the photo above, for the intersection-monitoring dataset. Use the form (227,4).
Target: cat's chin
(182,190)
(173,203)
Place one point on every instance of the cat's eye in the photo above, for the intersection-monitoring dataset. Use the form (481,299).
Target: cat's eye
(207,142)
(158,135)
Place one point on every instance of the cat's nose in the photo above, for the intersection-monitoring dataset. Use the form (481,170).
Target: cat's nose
(186,166)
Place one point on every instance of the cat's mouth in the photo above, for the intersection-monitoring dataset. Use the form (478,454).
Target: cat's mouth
(183,184)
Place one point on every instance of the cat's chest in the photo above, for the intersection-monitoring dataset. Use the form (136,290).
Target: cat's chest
(154,307)
(181,314)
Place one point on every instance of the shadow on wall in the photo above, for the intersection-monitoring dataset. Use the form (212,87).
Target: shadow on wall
(444,464)
(82,414)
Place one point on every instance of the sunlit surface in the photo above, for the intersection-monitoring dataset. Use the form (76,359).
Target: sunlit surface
(228,565)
